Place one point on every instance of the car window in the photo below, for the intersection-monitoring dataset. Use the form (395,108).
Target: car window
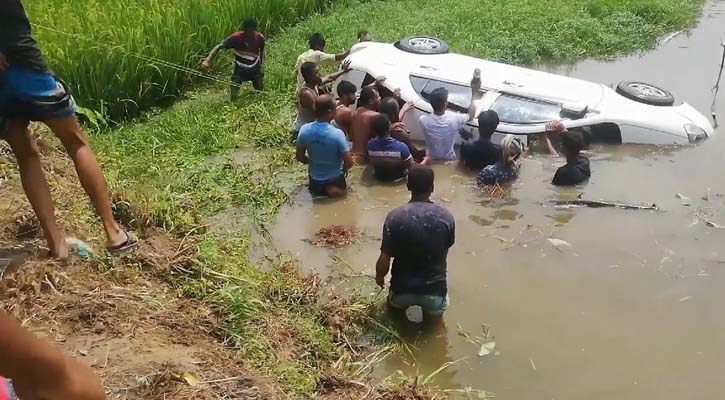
(521,110)
(459,96)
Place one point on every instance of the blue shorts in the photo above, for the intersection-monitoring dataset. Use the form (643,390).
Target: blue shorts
(33,95)
(431,305)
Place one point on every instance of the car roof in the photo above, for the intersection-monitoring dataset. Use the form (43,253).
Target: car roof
(397,65)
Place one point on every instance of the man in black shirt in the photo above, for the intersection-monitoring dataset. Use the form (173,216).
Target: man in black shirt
(417,237)
(480,153)
(30,92)
(576,170)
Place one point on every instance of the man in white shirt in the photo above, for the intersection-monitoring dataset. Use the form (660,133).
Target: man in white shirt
(317,55)
(441,128)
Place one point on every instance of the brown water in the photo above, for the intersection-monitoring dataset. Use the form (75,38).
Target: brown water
(633,310)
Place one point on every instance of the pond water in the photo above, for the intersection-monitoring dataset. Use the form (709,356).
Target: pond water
(633,310)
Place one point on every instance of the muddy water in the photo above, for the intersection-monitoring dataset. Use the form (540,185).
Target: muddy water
(633,310)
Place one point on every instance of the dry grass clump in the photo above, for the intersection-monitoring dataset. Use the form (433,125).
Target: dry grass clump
(336,236)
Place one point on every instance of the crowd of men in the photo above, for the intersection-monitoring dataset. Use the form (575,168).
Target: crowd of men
(332,133)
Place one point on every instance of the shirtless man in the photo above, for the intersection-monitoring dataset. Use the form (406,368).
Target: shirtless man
(367,105)
(346,96)
(308,93)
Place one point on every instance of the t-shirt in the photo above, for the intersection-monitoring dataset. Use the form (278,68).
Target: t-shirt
(480,153)
(418,236)
(388,157)
(247,53)
(573,173)
(499,173)
(325,146)
(16,40)
(440,132)
(315,56)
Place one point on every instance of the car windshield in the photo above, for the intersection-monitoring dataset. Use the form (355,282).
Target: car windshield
(521,110)
(459,96)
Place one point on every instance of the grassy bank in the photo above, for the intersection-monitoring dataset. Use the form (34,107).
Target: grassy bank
(178,168)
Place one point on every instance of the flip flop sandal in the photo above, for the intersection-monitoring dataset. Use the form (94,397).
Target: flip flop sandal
(131,242)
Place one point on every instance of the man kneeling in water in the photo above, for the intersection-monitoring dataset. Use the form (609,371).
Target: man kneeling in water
(417,237)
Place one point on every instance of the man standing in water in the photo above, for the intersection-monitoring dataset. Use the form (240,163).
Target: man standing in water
(367,106)
(325,150)
(308,94)
(29,91)
(316,55)
(248,47)
(417,237)
(346,96)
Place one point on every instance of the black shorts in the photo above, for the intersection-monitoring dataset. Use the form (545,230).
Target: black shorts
(241,75)
(318,188)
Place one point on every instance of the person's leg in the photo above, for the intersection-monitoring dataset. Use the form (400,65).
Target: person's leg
(433,309)
(89,174)
(35,186)
(235,85)
(258,84)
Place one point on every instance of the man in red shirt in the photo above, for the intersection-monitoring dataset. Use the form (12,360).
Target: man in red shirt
(248,46)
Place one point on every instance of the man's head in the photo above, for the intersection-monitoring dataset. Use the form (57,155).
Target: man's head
(347,92)
(439,100)
(249,25)
(325,108)
(364,36)
(511,149)
(420,180)
(381,125)
(311,73)
(572,142)
(369,98)
(317,41)
(487,124)
(389,106)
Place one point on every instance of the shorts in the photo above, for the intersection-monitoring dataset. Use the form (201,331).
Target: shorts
(318,188)
(241,74)
(431,305)
(34,96)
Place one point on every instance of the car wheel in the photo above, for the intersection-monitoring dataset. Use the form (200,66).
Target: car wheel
(646,93)
(423,45)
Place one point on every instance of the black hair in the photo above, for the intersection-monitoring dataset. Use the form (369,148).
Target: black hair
(389,106)
(362,33)
(487,123)
(248,23)
(381,125)
(572,142)
(317,40)
(420,179)
(323,105)
(366,94)
(345,87)
(307,69)
(438,98)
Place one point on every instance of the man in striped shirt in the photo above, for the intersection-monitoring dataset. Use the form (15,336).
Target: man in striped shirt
(390,157)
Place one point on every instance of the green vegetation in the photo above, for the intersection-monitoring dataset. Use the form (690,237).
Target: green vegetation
(178,168)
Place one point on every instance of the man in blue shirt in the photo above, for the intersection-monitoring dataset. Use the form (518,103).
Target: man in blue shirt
(390,157)
(325,150)
(417,237)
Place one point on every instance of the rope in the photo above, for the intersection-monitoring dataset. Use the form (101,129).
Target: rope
(151,59)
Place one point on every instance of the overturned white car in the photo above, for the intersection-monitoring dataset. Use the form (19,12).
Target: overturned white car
(525,99)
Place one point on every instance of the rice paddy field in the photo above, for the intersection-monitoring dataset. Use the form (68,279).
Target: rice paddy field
(179,167)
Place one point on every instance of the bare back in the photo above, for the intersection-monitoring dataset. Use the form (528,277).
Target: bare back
(361,130)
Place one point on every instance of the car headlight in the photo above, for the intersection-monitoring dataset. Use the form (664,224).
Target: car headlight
(695,134)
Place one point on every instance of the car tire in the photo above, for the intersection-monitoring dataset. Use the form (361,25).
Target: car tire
(646,93)
(422,45)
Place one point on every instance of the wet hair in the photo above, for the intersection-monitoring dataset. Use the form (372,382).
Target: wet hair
(323,105)
(511,149)
(362,33)
(420,179)
(366,95)
(587,135)
(389,106)
(317,41)
(346,87)
(307,69)
(438,98)
(249,23)
(572,142)
(487,123)
(381,125)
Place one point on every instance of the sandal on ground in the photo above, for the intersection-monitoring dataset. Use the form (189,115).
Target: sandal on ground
(131,242)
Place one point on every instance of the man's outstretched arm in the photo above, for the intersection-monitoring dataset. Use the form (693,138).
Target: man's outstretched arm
(209,60)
